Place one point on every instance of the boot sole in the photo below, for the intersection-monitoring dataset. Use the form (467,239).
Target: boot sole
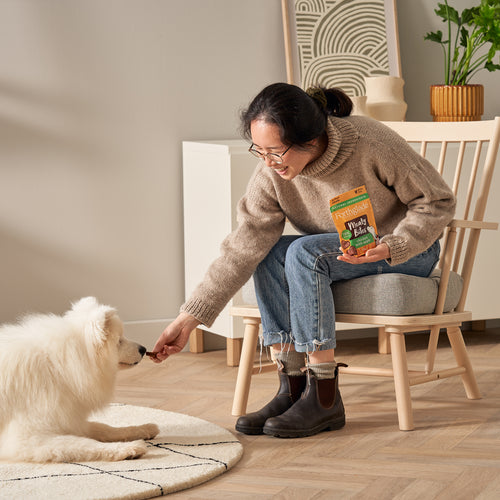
(251,431)
(298,433)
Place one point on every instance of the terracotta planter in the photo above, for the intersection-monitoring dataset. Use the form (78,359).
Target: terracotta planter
(457,103)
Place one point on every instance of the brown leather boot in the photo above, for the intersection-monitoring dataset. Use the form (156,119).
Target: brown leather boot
(320,408)
(289,392)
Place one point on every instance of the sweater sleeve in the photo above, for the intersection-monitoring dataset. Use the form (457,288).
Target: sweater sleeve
(260,225)
(429,200)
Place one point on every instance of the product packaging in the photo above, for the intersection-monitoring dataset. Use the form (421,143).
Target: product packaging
(353,216)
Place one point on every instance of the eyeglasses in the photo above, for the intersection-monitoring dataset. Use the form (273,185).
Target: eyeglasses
(274,157)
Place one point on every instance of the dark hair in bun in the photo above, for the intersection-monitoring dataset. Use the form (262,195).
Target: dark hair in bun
(300,115)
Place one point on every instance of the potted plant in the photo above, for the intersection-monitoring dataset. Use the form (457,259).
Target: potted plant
(471,43)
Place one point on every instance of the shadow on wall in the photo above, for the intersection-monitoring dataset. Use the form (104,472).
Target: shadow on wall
(46,123)
(34,273)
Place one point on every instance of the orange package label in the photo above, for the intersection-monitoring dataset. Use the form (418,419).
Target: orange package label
(353,216)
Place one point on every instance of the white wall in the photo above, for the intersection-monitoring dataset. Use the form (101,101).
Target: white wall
(95,100)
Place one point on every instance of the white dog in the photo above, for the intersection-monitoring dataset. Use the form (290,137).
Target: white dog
(54,372)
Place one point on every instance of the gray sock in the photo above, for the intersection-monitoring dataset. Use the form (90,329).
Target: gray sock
(292,361)
(323,370)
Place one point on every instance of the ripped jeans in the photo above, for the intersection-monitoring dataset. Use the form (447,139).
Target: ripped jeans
(293,291)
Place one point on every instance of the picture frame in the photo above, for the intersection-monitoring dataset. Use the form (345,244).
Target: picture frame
(340,43)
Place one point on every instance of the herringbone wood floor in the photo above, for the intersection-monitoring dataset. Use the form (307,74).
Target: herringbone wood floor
(454,452)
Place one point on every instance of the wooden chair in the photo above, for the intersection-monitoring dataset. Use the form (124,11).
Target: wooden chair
(476,147)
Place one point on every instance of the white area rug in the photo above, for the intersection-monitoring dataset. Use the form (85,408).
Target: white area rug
(188,451)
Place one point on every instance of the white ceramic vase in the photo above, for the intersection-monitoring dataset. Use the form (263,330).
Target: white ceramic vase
(359,106)
(385,99)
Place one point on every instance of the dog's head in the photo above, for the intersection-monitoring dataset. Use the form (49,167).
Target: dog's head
(103,332)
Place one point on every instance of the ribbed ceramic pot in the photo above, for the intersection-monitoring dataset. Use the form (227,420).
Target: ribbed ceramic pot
(457,103)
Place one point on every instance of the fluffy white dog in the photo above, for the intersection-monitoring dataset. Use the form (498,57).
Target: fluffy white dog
(54,372)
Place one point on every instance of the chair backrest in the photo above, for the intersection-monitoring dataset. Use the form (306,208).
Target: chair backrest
(468,167)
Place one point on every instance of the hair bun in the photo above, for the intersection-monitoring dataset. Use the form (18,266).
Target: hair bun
(318,94)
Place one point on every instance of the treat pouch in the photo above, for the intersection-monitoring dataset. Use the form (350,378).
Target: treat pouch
(353,216)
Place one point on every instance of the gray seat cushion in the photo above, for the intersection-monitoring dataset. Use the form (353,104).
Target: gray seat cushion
(395,294)
(386,294)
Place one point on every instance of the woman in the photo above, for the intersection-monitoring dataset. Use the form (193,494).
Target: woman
(311,150)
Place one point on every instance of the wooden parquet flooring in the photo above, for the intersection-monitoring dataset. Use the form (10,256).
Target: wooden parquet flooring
(453,454)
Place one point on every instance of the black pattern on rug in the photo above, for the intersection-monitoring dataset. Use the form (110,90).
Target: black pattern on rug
(121,473)
(194,452)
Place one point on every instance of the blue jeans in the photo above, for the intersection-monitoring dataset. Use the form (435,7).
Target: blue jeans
(293,291)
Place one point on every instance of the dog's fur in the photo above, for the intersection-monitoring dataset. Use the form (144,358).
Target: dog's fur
(54,372)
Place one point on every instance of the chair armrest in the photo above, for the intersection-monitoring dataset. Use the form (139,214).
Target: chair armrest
(473,224)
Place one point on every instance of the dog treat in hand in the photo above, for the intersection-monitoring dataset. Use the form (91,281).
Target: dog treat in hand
(353,216)
(151,354)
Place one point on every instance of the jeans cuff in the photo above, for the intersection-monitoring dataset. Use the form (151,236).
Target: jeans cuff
(277,338)
(316,345)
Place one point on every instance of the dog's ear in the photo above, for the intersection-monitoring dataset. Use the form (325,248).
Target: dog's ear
(93,317)
(85,304)
(97,323)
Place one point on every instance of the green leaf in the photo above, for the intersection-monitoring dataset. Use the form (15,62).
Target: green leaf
(472,43)
(468,15)
(464,36)
(447,13)
(491,66)
(492,52)
(434,37)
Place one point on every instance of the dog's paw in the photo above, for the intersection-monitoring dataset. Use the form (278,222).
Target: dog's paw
(149,431)
(134,449)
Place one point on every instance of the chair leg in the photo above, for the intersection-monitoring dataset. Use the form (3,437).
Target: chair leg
(384,346)
(431,348)
(459,350)
(401,381)
(244,376)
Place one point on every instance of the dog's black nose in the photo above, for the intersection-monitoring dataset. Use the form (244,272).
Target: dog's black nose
(142,350)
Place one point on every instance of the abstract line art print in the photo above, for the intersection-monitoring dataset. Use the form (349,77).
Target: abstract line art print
(337,43)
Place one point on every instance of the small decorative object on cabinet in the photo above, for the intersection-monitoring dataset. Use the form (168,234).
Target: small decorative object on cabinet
(359,105)
(457,103)
(471,43)
(384,98)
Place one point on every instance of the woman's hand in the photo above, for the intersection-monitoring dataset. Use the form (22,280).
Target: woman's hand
(174,337)
(380,252)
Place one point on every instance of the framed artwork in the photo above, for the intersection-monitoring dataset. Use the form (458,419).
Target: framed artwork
(337,43)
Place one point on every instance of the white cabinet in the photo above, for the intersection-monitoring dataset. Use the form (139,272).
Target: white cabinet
(215,177)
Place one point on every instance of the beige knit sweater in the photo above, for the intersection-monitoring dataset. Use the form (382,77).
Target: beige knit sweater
(411,202)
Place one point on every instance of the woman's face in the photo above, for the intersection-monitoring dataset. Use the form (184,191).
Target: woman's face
(266,139)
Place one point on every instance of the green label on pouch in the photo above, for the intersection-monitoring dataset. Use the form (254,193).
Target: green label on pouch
(346,234)
(363,240)
(349,202)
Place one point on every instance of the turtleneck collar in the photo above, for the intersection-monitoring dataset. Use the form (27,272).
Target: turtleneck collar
(342,139)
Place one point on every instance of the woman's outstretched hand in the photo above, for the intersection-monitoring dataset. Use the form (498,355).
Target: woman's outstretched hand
(380,252)
(174,337)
